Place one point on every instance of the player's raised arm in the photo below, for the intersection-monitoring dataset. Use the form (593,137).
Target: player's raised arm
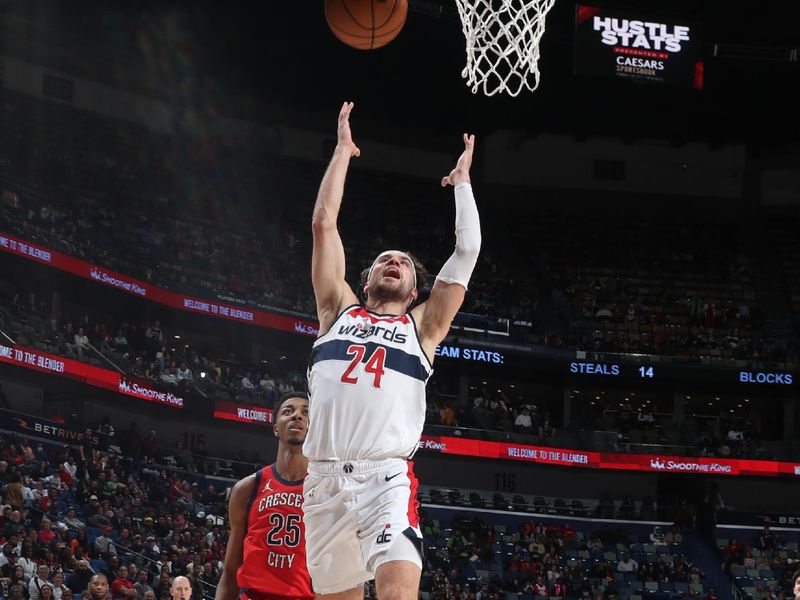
(228,589)
(328,262)
(435,315)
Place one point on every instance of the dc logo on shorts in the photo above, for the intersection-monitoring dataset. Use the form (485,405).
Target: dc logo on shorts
(384,537)
(348,468)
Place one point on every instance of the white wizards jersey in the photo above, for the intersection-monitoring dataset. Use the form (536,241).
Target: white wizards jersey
(366,382)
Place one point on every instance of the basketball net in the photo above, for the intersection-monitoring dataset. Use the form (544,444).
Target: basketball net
(502,43)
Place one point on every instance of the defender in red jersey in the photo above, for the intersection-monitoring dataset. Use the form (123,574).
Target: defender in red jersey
(266,555)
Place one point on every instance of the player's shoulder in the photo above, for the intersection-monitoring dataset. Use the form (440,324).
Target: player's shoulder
(243,489)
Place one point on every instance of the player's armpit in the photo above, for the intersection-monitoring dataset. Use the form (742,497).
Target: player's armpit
(435,315)
(227,589)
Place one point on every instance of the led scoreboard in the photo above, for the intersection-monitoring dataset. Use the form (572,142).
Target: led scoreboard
(679,373)
(626,43)
(568,366)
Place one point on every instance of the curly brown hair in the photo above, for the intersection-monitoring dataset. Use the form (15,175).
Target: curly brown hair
(419,268)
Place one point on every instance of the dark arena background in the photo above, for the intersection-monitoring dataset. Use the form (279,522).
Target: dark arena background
(622,382)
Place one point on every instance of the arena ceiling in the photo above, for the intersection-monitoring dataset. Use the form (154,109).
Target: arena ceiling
(282,53)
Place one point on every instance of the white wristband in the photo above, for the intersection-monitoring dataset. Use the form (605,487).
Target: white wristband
(458,268)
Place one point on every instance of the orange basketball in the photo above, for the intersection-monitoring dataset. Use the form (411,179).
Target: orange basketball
(366,24)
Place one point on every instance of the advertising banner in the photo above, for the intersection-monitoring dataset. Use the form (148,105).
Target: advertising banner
(129,285)
(566,457)
(29,425)
(637,45)
(243,413)
(60,366)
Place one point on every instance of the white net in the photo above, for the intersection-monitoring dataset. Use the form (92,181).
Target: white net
(502,43)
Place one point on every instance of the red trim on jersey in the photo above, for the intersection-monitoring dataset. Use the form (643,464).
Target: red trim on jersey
(360,311)
(413,503)
(254,595)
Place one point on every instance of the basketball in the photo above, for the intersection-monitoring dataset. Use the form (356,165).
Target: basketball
(366,24)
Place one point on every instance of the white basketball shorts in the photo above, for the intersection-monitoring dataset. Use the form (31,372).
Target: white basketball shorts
(359,515)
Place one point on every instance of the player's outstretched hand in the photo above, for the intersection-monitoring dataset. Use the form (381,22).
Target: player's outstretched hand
(343,135)
(461,172)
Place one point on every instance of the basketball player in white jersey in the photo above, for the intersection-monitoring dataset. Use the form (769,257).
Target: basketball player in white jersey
(367,377)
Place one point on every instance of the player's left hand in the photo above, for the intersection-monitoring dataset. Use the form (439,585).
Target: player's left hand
(461,172)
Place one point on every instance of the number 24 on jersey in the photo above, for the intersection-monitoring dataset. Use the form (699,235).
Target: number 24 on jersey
(373,366)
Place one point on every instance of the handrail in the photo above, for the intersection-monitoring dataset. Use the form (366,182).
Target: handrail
(104,357)
(8,337)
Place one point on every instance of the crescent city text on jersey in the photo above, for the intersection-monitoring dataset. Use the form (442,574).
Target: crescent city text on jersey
(280,499)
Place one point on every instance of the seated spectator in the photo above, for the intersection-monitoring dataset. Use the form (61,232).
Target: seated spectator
(26,562)
(98,587)
(711,595)
(14,491)
(46,533)
(168,377)
(611,592)
(734,553)
(766,540)
(9,555)
(154,335)
(52,333)
(80,344)
(247,382)
(267,384)
(184,374)
(540,588)
(120,342)
(546,429)
(71,521)
(673,536)
(657,537)
(40,580)
(46,592)
(626,564)
(449,416)
(70,466)
(523,423)
(142,584)
(735,436)
(749,560)
(58,585)
(122,588)
(103,544)
(79,579)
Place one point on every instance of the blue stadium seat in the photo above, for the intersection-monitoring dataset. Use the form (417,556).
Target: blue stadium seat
(98,564)
(681,587)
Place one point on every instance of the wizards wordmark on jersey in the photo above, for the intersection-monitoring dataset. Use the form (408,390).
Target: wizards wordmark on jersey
(367,379)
